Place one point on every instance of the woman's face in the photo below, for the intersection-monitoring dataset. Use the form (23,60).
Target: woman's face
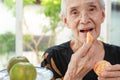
(84,16)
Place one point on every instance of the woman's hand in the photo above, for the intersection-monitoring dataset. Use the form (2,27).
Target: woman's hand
(83,60)
(111,73)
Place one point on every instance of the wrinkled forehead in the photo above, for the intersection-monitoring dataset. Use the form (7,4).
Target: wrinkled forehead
(72,3)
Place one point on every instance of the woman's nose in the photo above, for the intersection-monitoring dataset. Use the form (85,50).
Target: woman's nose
(84,18)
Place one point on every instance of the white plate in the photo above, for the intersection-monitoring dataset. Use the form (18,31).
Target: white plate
(42,74)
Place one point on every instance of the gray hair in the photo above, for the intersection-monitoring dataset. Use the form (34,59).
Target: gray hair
(63,6)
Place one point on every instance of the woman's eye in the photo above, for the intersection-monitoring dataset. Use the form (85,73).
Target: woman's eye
(74,12)
(92,9)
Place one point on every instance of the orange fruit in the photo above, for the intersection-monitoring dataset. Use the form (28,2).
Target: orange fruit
(15,60)
(89,38)
(23,71)
(100,66)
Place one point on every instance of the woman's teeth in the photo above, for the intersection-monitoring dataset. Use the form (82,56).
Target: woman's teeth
(87,30)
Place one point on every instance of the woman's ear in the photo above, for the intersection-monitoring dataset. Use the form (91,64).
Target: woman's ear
(64,19)
(103,15)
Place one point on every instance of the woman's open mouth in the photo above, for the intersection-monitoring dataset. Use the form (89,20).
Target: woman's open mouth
(86,30)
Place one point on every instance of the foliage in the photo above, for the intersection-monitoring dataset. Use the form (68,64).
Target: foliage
(27,2)
(11,3)
(27,38)
(42,45)
(118,2)
(7,42)
(52,10)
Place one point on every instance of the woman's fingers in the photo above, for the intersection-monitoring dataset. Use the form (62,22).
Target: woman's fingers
(80,59)
(111,74)
(86,46)
(82,51)
(116,78)
(112,71)
(113,68)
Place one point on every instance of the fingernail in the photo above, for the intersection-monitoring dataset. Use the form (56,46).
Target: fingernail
(103,73)
(108,68)
(98,78)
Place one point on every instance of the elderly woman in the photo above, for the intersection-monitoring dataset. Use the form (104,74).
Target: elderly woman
(75,59)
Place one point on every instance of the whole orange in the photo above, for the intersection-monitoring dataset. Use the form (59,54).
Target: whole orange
(23,71)
(15,60)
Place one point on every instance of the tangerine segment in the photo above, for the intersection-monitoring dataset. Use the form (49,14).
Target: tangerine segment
(89,38)
(100,66)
